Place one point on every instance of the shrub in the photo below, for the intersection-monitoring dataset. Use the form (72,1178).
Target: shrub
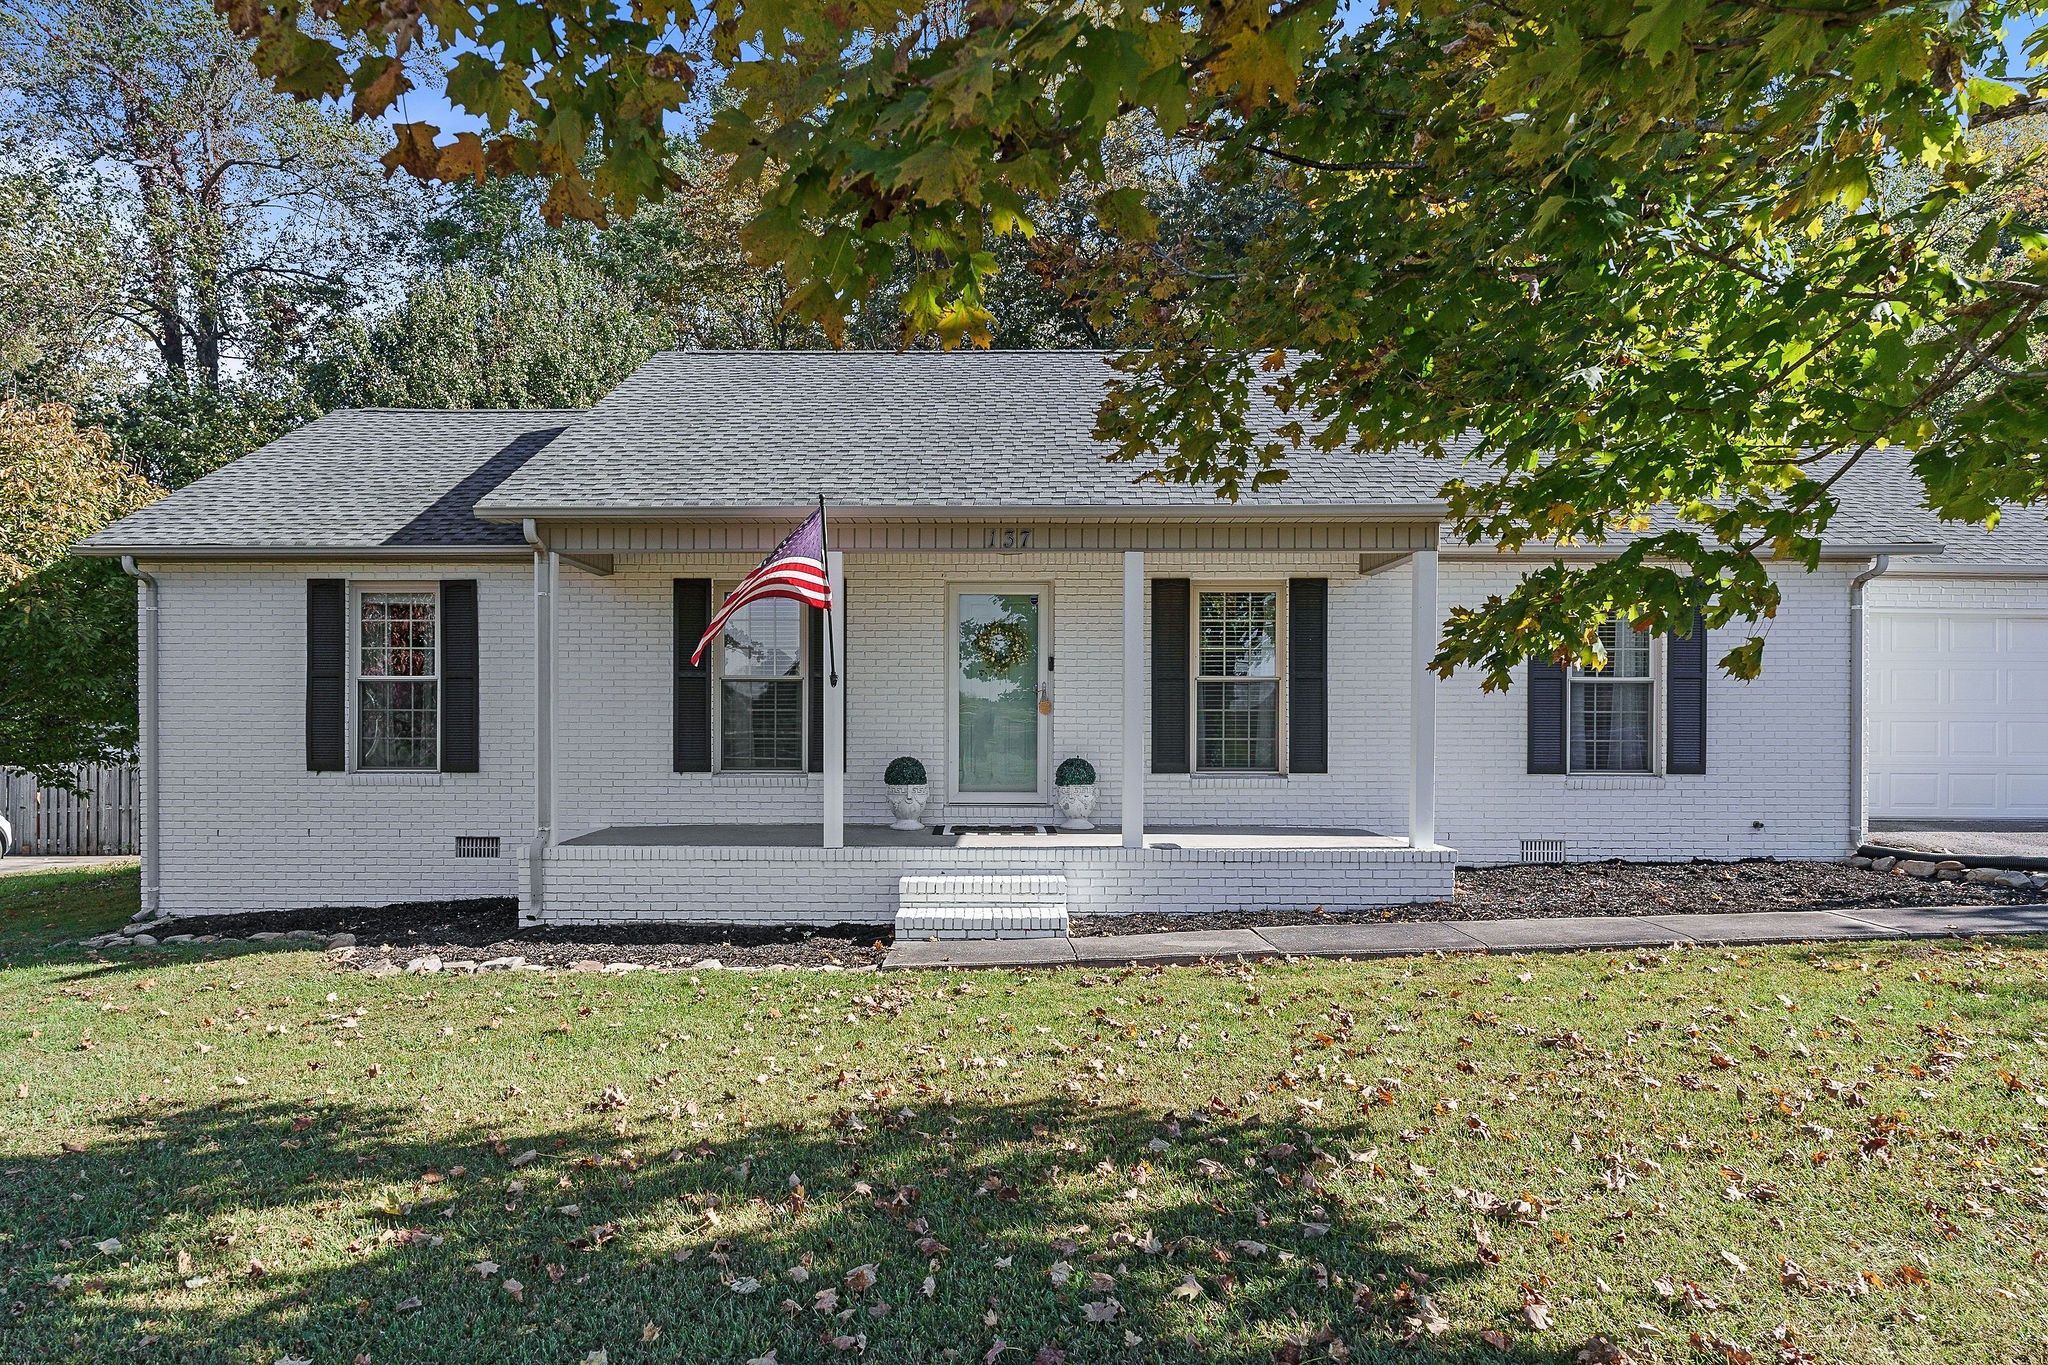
(904,772)
(1075,772)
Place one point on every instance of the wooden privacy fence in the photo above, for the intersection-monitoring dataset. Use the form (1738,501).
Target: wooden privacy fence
(103,816)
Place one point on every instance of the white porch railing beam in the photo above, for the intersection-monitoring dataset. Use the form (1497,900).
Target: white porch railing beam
(1133,776)
(1422,703)
(835,706)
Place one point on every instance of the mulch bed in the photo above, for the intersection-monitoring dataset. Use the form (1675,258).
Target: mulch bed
(477,930)
(1615,888)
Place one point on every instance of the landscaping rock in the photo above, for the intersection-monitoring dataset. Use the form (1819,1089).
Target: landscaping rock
(502,964)
(267,936)
(424,966)
(586,964)
(711,964)
(1917,867)
(342,941)
(142,940)
(466,968)
(382,969)
(1884,864)
(1859,861)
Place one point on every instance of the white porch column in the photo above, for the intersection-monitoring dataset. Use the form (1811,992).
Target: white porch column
(1134,699)
(1422,703)
(835,705)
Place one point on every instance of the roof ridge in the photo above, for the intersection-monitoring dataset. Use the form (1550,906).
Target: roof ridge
(466,412)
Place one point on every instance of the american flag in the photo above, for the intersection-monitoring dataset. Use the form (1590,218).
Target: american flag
(795,569)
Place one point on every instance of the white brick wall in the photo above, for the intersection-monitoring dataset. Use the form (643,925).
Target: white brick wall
(1777,751)
(246,827)
(591,884)
(1903,591)
(613,717)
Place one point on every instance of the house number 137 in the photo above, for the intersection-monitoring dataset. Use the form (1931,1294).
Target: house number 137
(1009,538)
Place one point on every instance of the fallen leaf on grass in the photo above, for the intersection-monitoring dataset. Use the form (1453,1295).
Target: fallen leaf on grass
(1535,1309)
(1104,1311)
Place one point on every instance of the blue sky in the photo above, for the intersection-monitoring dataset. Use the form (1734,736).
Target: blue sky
(429,103)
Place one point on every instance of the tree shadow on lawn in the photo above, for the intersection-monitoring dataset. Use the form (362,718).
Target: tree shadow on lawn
(644,1239)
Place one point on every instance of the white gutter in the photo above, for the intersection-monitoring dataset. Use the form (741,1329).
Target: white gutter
(1858,817)
(152,881)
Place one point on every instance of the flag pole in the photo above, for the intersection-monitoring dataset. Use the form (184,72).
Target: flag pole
(825,540)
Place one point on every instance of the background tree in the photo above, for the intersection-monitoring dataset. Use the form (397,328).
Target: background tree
(67,625)
(56,289)
(547,329)
(1625,252)
(245,220)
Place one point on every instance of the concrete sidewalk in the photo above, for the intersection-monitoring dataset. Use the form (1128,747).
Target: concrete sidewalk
(1398,938)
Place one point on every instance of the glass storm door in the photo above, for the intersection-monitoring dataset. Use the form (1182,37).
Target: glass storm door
(999,720)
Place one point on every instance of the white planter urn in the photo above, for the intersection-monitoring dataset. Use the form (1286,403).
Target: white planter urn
(1076,804)
(907,801)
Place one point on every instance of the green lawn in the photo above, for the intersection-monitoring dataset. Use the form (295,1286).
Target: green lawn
(1829,1156)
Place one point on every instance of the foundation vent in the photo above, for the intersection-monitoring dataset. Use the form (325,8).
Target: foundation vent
(1543,850)
(476,845)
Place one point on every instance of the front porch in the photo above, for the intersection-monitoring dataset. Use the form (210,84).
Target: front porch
(1297,772)
(784,873)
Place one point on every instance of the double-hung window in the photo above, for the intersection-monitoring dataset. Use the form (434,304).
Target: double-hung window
(398,679)
(761,712)
(1237,680)
(1610,708)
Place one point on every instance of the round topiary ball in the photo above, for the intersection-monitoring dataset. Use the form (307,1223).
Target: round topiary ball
(905,772)
(1075,772)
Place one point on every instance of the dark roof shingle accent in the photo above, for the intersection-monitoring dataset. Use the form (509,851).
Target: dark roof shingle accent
(358,479)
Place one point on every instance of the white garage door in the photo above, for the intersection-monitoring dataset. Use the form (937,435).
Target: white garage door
(1958,714)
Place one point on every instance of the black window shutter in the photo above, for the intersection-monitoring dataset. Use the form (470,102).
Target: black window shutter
(1546,716)
(693,681)
(1685,686)
(815,702)
(1170,644)
(326,675)
(458,676)
(1308,675)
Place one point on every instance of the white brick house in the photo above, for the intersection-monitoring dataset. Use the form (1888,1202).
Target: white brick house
(402,656)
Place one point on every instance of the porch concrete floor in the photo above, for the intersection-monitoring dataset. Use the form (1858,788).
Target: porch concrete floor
(881,836)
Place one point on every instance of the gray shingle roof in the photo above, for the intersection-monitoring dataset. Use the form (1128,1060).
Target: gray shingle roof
(763,430)
(1881,501)
(352,480)
(694,430)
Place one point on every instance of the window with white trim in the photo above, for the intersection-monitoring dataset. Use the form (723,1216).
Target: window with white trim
(761,662)
(1237,679)
(1609,712)
(398,679)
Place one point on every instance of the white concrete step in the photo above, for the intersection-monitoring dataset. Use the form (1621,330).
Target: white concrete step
(981,905)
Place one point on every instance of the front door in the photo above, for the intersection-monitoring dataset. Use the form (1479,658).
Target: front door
(1000,700)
